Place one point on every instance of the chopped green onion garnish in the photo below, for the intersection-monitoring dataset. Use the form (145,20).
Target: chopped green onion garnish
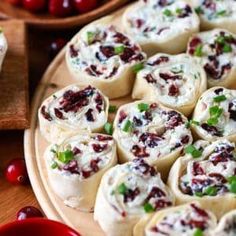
(127,126)
(122,189)
(148,208)
(220,98)
(138,67)
(232,187)
(227,48)
(212,121)
(220,39)
(231,179)
(221,13)
(119,49)
(199,10)
(198,194)
(192,122)
(143,107)
(179,11)
(54,165)
(108,128)
(198,51)
(190,149)
(198,232)
(210,191)
(112,109)
(65,156)
(167,12)
(90,37)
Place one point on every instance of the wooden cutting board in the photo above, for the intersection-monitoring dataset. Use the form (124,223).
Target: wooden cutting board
(14,111)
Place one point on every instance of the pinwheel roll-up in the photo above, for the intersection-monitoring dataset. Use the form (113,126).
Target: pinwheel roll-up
(75,167)
(71,110)
(175,81)
(216,51)
(151,131)
(227,225)
(128,192)
(3,47)
(216,14)
(206,173)
(161,26)
(104,57)
(214,116)
(185,220)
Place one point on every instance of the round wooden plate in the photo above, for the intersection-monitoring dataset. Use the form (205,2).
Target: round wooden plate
(56,77)
(45,20)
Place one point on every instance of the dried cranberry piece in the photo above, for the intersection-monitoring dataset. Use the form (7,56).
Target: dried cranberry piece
(76,151)
(162,29)
(99,102)
(45,114)
(225,68)
(174,119)
(120,38)
(197,169)
(218,177)
(58,114)
(99,147)
(107,51)
(127,55)
(218,91)
(162,204)
(173,90)
(185,139)
(139,151)
(232,111)
(185,12)
(209,4)
(122,116)
(167,76)
(155,193)
(147,116)
(139,23)
(194,42)
(72,167)
(141,166)
(94,165)
(86,174)
(103,138)
(73,52)
(159,60)
(211,71)
(199,211)
(149,78)
(163,3)
(113,72)
(150,139)
(153,105)
(137,122)
(89,115)
(211,129)
(130,195)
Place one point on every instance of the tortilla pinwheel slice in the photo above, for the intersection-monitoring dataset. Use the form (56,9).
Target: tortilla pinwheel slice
(216,52)
(176,81)
(3,47)
(227,225)
(216,14)
(161,26)
(75,167)
(214,116)
(128,192)
(148,130)
(185,220)
(104,57)
(71,110)
(207,173)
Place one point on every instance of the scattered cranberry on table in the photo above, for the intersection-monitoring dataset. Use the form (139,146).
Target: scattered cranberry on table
(16,172)
(59,8)
(28,212)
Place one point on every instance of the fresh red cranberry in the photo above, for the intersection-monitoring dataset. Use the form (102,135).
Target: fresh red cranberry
(15,2)
(83,6)
(60,8)
(34,5)
(16,172)
(56,46)
(28,212)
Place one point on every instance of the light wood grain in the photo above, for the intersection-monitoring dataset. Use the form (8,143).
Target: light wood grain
(45,20)
(14,78)
(56,77)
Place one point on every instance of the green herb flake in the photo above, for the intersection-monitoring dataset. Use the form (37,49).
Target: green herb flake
(90,37)
(148,208)
(212,121)
(179,11)
(112,109)
(221,13)
(199,10)
(220,39)
(108,128)
(66,156)
(232,187)
(143,107)
(54,165)
(220,98)
(191,149)
(232,179)
(167,12)
(138,67)
(122,189)
(198,51)
(198,232)
(227,48)
(127,126)
(198,194)
(210,191)
(119,49)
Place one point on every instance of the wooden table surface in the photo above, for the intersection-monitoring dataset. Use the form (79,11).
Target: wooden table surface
(12,198)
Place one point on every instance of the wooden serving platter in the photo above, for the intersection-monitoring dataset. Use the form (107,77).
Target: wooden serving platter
(14,78)
(45,20)
(56,77)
